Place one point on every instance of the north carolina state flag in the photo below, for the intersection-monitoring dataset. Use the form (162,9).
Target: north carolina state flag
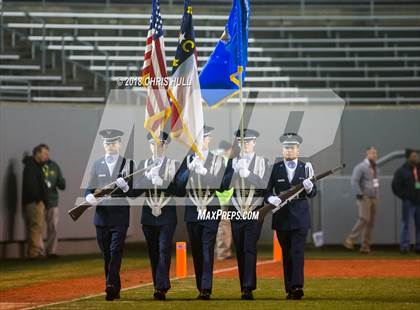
(187,110)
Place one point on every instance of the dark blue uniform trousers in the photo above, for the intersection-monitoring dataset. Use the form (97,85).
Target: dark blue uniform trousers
(111,242)
(245,236)
(159,243)
(292,244)
(202,240)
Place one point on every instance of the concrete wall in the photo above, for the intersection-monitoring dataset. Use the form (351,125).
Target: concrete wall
(389,129)
(339,212)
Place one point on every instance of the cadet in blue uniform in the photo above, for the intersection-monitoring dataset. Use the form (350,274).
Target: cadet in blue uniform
(201,179)
(111,215)
(292,221)
(158,217)
(248,173)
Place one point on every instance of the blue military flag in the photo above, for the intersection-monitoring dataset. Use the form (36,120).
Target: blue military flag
(220,77)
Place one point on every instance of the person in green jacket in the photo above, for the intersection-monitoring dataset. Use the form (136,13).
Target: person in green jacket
(224,240)
(54,180)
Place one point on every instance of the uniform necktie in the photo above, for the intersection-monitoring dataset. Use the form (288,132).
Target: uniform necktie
(291,164)
(110,159)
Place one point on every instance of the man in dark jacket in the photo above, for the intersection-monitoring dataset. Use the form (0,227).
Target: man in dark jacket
(406,185)
(291,221)
(54,180)
(34,200)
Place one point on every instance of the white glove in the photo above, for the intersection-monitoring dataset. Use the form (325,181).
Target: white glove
(152,172)
(244,172)
(308,185)
(200,169)
(274,200)
(90,199)
(195,163)
(122,184)
(240,164)
(157,180)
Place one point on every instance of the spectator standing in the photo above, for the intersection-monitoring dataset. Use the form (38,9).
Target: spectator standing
(406,186)
(34,200)
(224,234)
(365,184)
(54,180)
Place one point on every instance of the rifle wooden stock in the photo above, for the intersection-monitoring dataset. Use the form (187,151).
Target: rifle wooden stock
(285,196)
(78,210)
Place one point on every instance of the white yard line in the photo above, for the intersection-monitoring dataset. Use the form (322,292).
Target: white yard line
(265,262)
(142,285)
(13,305)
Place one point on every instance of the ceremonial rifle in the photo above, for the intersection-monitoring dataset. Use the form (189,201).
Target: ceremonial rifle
(103,193)
(292,193)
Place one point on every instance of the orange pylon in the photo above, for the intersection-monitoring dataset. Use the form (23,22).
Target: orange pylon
(181,259)
(277,254)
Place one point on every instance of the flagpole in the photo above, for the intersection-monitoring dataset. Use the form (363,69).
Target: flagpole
(241,103)
(241,98)
(155,154)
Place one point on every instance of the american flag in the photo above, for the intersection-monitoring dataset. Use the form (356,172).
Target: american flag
(154,66)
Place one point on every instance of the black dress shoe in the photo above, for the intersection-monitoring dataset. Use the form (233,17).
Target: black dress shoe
(159,295)
(204,295)
(289,296)
(247,295)
(404,251)
(53,256)
(111,293)
(297,293)
(37,257)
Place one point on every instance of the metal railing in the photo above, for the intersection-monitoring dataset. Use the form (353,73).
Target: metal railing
(42,46)
(11,89)
(303,5)
(1,27)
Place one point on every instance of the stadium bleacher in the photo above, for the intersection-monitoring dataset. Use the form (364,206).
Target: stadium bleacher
(367,58)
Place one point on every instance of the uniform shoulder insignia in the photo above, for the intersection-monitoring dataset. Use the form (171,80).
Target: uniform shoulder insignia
(309,169)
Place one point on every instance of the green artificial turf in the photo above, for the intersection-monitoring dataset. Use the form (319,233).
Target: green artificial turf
(22,272)
(323,294)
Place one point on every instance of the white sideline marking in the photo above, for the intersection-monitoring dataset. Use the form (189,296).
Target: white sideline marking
(141,285)
(13,305)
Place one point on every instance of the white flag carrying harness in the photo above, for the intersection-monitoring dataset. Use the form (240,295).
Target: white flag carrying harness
(155,202)
(244,205)
(199,199)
